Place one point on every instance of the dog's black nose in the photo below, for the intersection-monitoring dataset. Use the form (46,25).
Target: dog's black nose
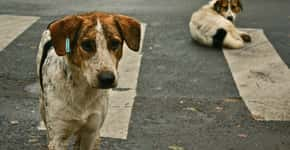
(231,18)
(106,80)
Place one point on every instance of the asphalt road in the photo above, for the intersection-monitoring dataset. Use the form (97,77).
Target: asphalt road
(186,96)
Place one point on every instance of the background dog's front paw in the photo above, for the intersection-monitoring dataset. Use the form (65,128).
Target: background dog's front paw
(246,37)
(98,144)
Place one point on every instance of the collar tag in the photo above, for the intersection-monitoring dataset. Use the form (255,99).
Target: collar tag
(67,46)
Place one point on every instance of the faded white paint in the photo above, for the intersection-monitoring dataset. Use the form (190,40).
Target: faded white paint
(12,26)
(262,78)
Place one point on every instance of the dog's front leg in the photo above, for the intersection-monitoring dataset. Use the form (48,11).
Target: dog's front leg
(58,134)
(88,141)
(77,142)
(58,143)
(89,134)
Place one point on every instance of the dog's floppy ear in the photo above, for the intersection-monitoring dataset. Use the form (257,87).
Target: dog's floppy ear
(62,29)
(130,30)
(240,4)
(217,6)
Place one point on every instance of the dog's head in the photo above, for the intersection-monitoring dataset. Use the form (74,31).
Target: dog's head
(228,8)
(96,42)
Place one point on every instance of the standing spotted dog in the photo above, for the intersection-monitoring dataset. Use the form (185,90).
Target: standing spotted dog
(212,25)
(77,66)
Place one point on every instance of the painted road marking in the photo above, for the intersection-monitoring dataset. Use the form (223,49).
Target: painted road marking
(12,26)
(262,78)
(121,101)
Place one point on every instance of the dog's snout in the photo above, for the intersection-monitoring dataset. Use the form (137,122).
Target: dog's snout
(106,80)
(230,18)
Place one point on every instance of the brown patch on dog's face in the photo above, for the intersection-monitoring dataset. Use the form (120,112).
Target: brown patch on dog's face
(228,8)
(236,6)
(221,6)
(88,44)
(84,43)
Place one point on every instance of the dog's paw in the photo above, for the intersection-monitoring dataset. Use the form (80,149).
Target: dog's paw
(246,37)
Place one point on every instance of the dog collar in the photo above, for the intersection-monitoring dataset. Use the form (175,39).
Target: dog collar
(67,46)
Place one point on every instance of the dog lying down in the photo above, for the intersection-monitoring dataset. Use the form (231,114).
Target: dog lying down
(77,65)
(213,25)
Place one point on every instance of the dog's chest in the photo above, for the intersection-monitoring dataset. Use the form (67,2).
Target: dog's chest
(68,96)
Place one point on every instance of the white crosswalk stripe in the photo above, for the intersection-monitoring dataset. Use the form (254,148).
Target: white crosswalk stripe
(12,26)
(262,78)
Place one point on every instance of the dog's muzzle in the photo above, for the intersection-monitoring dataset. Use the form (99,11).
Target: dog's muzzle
(107,80)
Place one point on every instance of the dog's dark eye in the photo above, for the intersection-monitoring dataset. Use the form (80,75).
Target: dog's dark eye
(236,9)
(89,45)
(115,45)
(225,8)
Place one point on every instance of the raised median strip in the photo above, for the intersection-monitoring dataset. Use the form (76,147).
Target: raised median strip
(262,78)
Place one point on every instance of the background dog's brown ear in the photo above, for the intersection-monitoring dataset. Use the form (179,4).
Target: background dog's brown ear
(217,6)
(130,30)
(62,29)
(240,4)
